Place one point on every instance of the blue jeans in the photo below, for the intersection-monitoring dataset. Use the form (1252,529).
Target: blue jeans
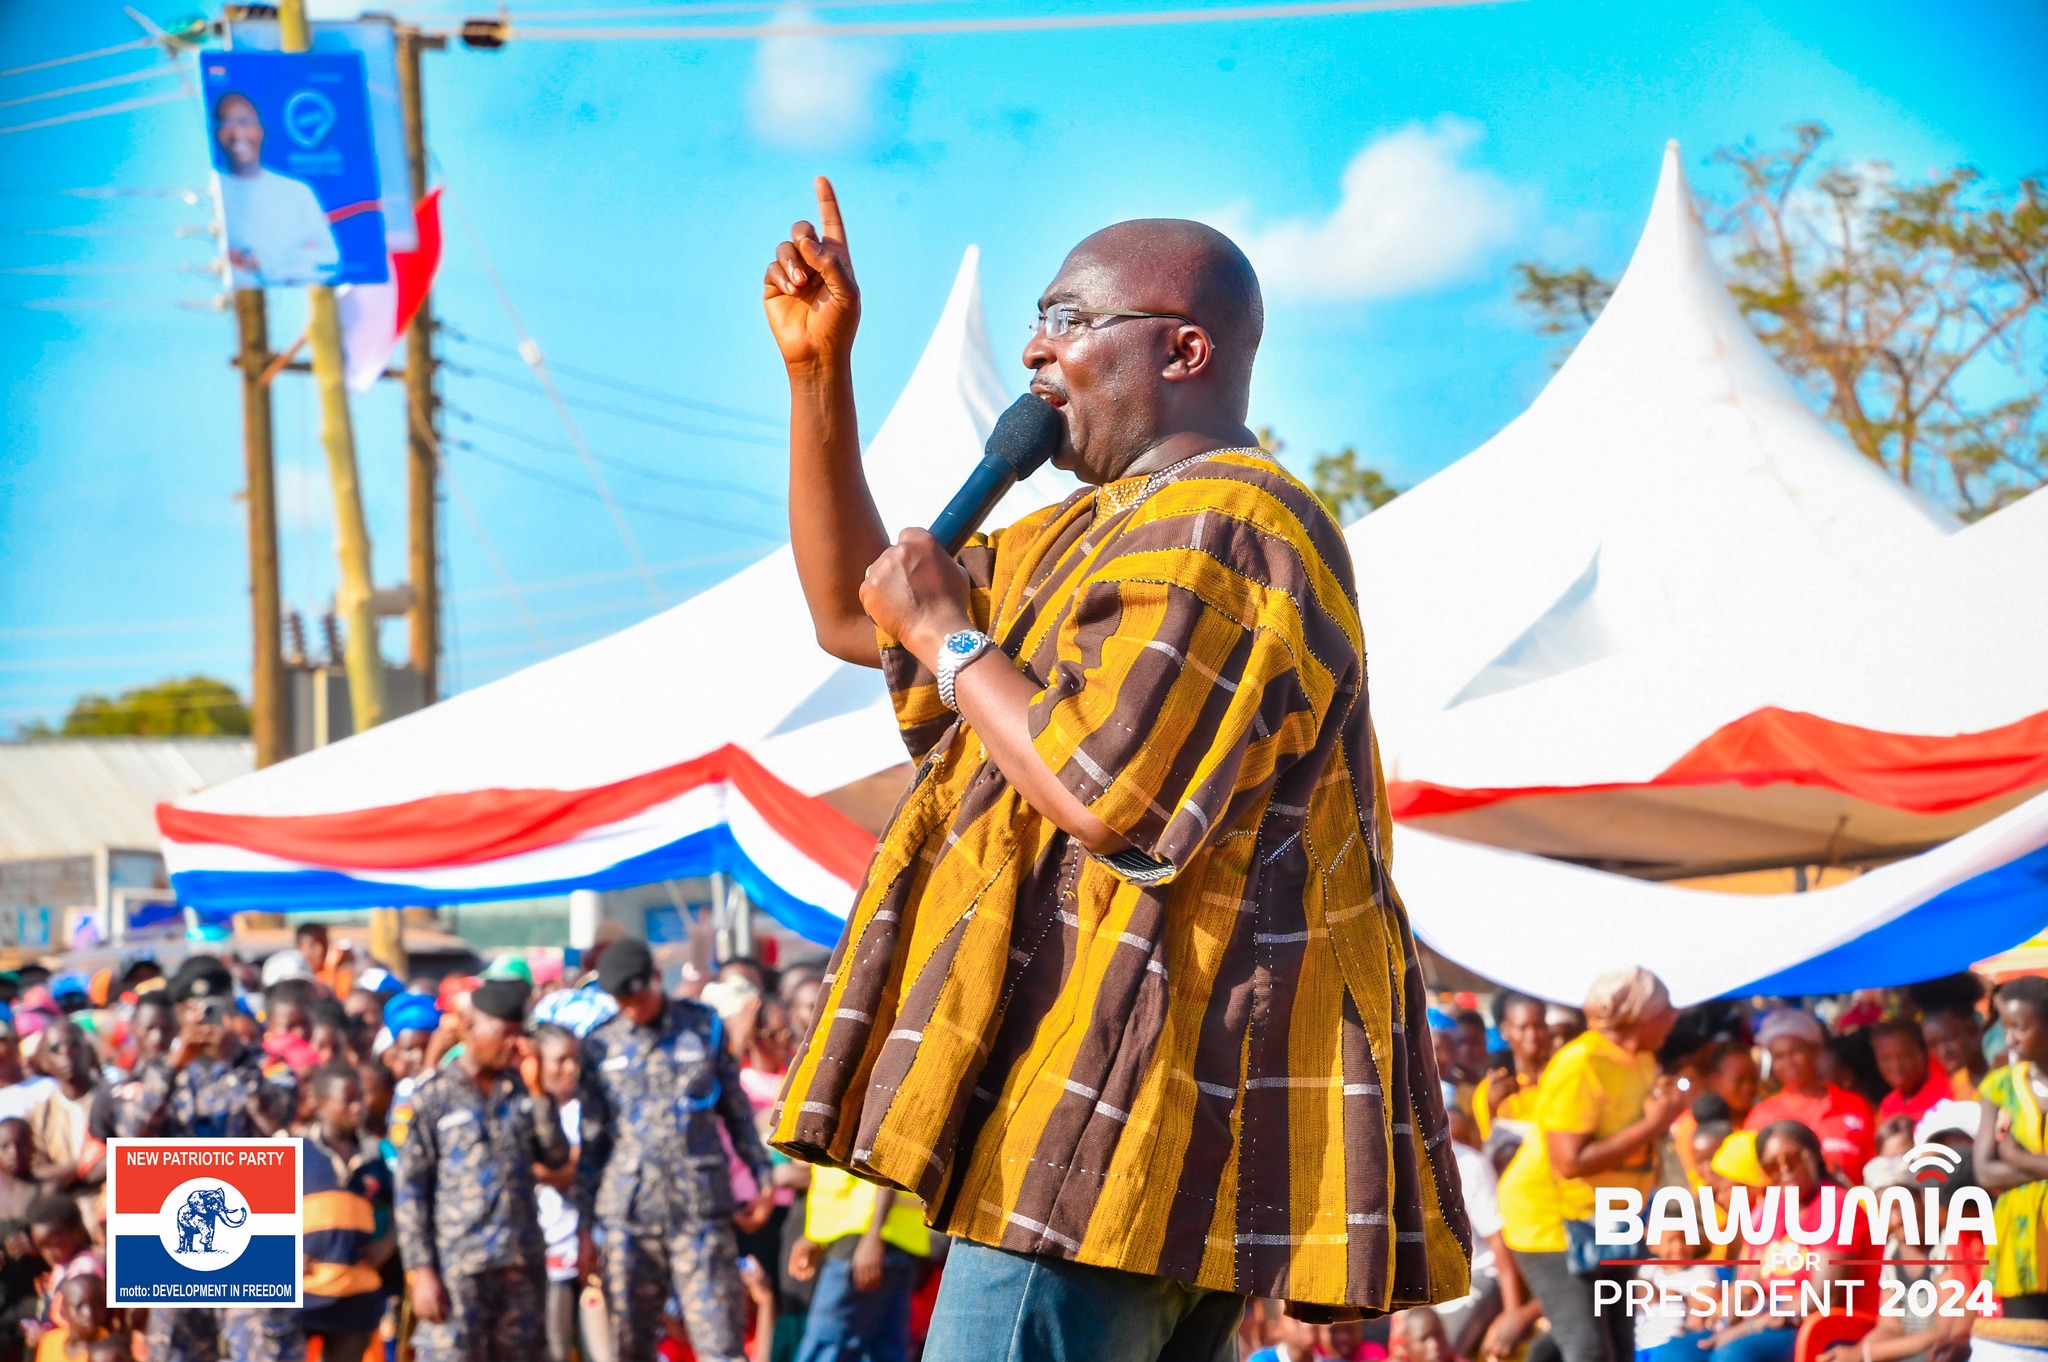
(998,1306)
(846,1325)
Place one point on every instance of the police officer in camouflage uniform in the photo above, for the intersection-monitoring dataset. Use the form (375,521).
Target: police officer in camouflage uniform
(218,1089)
(657,1082)
(468,1223)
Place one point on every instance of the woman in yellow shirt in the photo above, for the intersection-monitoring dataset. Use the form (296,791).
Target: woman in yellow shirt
(1600,1109)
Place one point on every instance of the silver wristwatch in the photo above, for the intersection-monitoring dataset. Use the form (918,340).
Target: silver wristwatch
(956,650)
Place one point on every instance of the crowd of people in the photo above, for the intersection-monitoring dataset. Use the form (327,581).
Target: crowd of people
(518,1165)
(531,1165)
(1550,1103)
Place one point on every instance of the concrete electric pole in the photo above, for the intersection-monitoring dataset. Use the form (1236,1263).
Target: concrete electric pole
(353,599)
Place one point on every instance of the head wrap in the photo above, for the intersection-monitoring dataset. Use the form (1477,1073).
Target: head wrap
(1947,1115)
(286,964)
(626,967)
(509,967)
(729,997)
(1793,1022)
(1621,998)
(1736,1160)
(504,999)
(577,1010)
(378,980)
(411,1012)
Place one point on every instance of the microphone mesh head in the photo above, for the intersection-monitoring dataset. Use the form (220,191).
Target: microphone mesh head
(1026,435)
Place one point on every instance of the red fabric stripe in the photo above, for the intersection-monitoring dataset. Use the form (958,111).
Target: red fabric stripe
(267,1175)
(414,270)
(349,210)
(1904,771)
(484,825)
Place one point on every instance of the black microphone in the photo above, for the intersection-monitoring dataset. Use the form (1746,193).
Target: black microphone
(1024,438)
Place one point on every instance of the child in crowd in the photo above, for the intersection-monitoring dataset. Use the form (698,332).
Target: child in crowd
(58,1231)
(347,1186)
(1668,1330)
(86,1321)
(557,1069)
(1423,1338)
(1294,1341)
(18,1185)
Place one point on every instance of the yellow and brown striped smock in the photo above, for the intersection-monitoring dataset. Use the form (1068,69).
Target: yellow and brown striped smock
(1223,1076)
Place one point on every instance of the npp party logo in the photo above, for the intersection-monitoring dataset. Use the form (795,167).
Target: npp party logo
(203,1223)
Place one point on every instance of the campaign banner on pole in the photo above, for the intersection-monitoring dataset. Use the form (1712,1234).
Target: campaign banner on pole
(201,1224)
(376,42)
(295,168)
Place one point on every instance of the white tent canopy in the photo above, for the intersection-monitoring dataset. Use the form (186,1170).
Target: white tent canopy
(1668,540)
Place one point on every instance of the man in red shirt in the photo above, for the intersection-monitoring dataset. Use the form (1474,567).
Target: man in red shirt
(1843,1120)
(1917,1083)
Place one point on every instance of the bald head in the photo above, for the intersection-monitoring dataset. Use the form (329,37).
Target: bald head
(1157,361)
(1201,273)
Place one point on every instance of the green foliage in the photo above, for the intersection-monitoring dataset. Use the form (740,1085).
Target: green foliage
(1565,301)
(1912,315)
(197,706)
(1346,488)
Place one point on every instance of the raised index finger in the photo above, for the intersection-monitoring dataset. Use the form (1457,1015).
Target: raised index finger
(828,212)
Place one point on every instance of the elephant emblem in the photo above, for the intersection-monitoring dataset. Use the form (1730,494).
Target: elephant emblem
(196,1219)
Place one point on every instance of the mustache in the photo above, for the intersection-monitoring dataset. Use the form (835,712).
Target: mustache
(1051,386)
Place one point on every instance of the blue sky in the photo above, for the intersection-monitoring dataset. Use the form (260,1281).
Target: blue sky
(1384,169)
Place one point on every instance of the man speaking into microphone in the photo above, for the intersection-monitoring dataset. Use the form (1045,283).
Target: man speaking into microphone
(1128,997)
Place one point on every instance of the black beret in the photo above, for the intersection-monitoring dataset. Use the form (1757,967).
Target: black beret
(626,966)
(504,999)
(201,976)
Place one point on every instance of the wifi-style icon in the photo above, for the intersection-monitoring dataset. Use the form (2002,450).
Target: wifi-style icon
(1932,1162)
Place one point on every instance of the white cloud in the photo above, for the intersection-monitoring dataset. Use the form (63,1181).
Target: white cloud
(813,92)
(1411,216)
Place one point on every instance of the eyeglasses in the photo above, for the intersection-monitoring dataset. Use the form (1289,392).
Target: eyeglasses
(1058,320)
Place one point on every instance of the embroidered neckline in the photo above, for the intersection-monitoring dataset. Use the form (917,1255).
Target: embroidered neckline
(1124,493)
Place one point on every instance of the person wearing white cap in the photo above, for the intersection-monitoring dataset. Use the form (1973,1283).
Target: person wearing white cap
(1844,1121)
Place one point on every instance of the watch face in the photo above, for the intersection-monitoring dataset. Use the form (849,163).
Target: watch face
(962,643)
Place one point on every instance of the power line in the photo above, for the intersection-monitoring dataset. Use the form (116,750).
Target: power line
(51,664)
(132,45)
(653,474)
(1030,23)
(605,409)
(191,198)
(530,351)
(605,381)
(128,627)
(72,269)
(598,578)
(721,7)
(217,303)
(578,489)
(98,230)
(124,106)
(126,78)
(510,588)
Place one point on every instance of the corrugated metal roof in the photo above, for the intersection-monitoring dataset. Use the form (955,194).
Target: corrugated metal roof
(73,796)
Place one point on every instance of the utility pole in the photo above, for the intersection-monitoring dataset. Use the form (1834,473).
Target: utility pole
(266,684)
(337,435)
(423,405)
